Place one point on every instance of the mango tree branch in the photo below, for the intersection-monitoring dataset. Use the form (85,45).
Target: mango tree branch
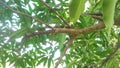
(61,18)
(64,52)
(74,31)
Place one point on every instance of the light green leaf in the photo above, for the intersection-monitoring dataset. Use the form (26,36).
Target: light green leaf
(76,8)
(108,14)
(61,38)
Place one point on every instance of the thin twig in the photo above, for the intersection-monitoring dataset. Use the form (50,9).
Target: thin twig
(24,14)
(110,55)
(66,48)
(61,18)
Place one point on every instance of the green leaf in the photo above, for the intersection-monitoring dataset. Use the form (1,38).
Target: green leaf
(62,39)
(45,61)
(76,8)
(49,62)
(108,14)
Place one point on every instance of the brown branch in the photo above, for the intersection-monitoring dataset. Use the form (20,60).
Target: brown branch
(74,31)
(97,16)
(110,55)
(85,30)
(71,31)
(39,33)
(66,48)
(55,13)
(27,36)
(24,14)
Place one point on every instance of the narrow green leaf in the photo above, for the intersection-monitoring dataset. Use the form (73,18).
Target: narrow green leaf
(45,61)
(76,8)
(49,62)
(108,14)
(62,39)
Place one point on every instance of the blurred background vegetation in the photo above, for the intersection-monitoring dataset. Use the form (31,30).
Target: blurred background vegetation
(28,39)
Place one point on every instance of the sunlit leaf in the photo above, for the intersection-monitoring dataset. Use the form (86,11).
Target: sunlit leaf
(108,14)
(76,8)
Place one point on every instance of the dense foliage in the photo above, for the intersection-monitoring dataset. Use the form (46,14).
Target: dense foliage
(36,32)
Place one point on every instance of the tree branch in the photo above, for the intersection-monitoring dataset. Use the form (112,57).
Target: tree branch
(74,31)
(66,48)
(55,12)
(39,33)
(24,14)
(110,55)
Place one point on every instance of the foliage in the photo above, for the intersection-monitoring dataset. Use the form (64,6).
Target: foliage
(35,32)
